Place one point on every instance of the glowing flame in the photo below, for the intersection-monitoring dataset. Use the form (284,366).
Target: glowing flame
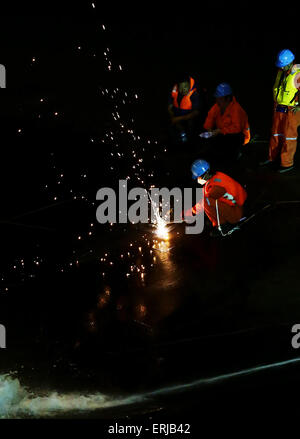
(162,231)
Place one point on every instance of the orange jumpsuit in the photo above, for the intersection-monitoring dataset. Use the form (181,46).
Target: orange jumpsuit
(233,121)
(284,136)
(230,195)
(284,133)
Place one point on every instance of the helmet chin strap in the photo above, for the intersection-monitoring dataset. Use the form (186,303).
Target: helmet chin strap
(205,176)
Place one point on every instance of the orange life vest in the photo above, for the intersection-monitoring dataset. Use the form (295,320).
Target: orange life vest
(235,193)
(186,103)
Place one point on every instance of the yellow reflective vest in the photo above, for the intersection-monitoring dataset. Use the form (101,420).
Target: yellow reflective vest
(284,91)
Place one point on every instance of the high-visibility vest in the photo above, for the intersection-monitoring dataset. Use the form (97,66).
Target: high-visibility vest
(284,90)
(186,103)
(235,193)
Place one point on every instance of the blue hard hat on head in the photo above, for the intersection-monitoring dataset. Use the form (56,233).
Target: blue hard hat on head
(199,168)
(222,90)
(284,58)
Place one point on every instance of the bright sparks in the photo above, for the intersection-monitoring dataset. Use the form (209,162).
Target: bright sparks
(162,229)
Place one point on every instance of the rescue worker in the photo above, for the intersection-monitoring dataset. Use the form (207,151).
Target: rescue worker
(228,124)
(286,117)
(184,107)
(224,198)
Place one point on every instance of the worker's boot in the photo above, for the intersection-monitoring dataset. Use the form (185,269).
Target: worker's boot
(283,169)
(265,163)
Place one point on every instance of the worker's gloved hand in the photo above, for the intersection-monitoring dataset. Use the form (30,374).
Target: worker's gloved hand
(215,132)
(296,109)
(195,210)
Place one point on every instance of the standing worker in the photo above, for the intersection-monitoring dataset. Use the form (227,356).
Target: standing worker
(223,198)
(286,118)
(184,107)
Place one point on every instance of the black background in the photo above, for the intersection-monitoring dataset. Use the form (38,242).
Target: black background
(236,44)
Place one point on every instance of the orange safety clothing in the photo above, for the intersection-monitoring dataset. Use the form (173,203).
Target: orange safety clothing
(284,137)
(186,103)
(231,197)
(233,121)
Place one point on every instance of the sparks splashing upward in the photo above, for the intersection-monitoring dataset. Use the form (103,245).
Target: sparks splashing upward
(162,229)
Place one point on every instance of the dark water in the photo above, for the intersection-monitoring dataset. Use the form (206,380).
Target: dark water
(76,323)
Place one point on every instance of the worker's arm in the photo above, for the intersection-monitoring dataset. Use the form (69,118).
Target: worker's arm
(188,116)
(170,110)
(297,98)
(174,119)
(210,122)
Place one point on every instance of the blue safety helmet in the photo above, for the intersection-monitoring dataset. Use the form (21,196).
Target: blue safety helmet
(199,168)
(222,90)
(284,58)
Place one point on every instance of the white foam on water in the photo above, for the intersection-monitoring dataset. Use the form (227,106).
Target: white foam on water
(17,402)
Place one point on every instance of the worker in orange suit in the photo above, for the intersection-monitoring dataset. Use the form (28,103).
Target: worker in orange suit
(185,105)
(224,198)
(286,117)
(227,123)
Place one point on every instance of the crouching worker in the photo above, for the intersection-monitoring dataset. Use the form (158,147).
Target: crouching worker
(228,124)
(223,198)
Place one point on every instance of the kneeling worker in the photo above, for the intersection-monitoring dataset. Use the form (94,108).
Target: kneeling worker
(223,197)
